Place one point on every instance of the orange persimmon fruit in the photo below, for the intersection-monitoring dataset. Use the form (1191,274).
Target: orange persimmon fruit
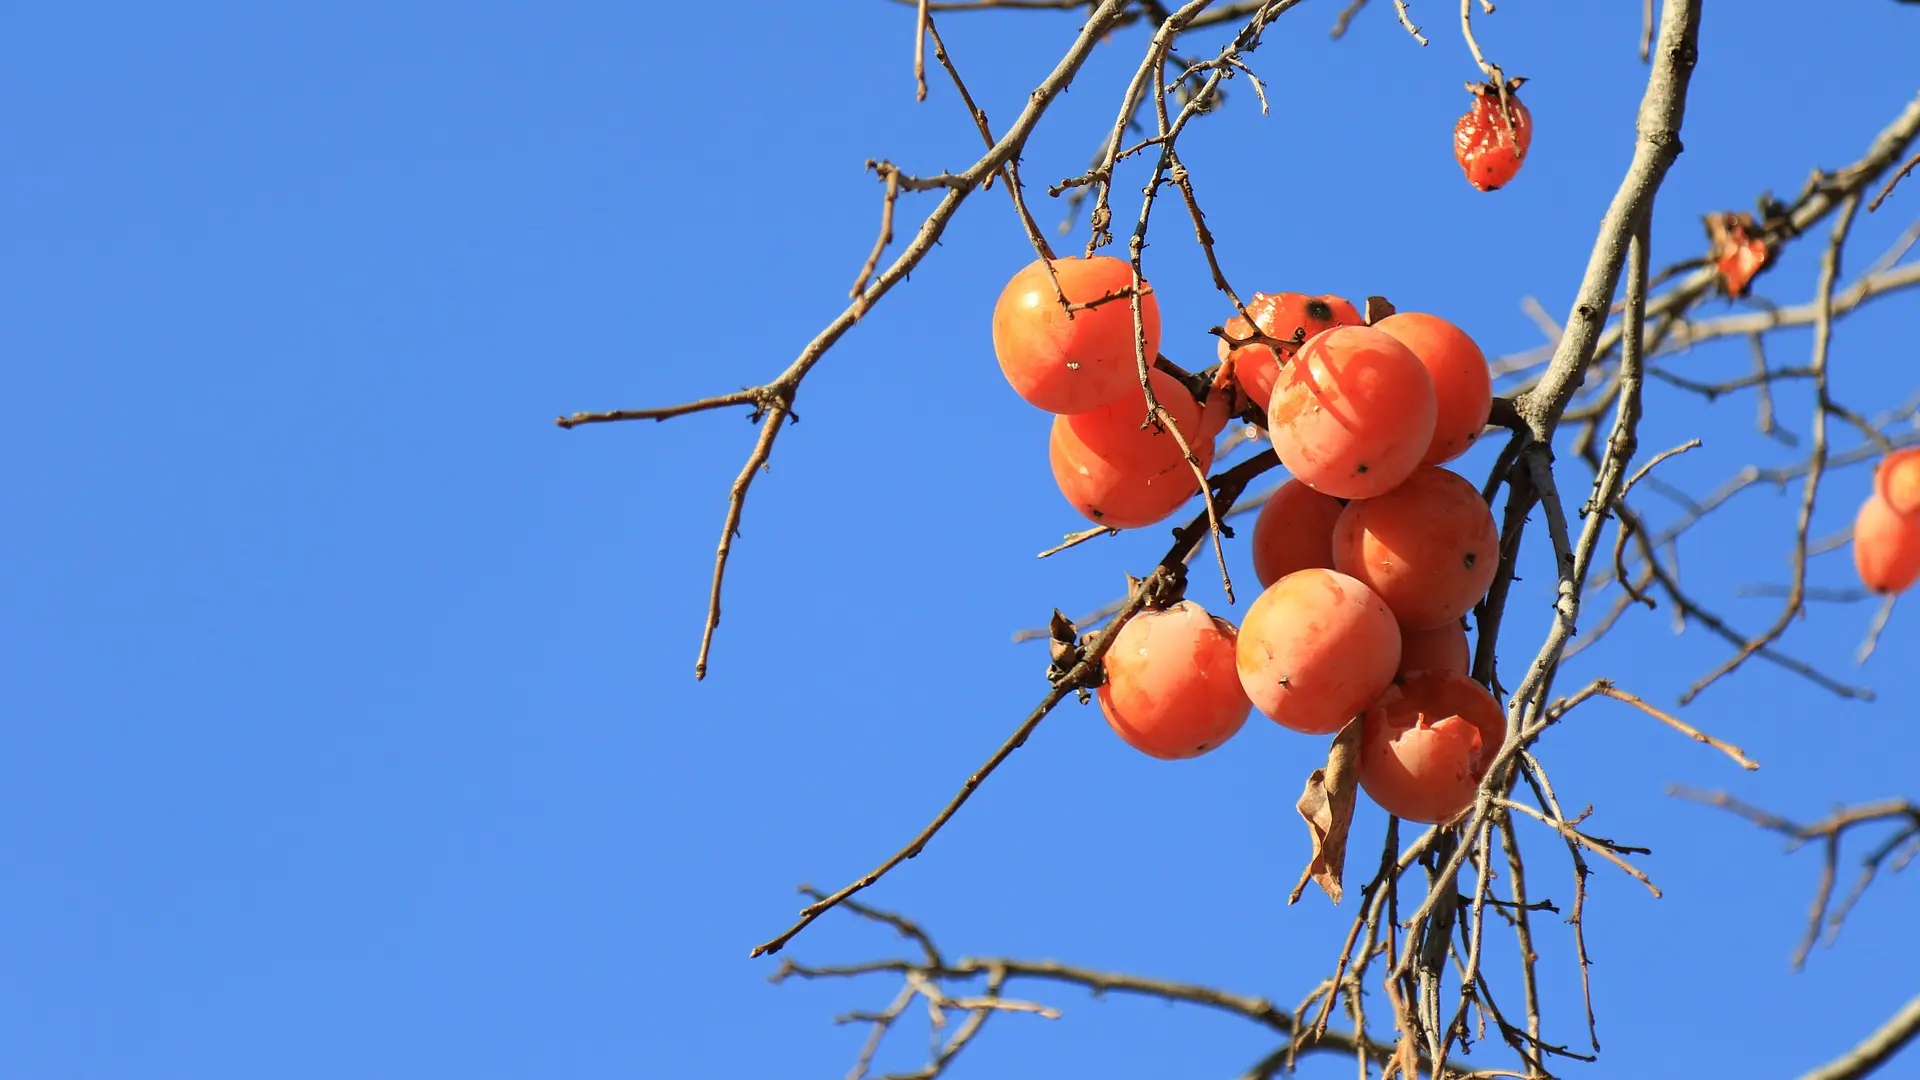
(1429,547)
(1172,688)
(1442,648)
(1221,406)
(1316,648)
(1462,382)
(1897,480)
(1294,532)
(1353,414)
(1279,315)
(1121,472)
(1426,743)
(1076,362)
(1886,547)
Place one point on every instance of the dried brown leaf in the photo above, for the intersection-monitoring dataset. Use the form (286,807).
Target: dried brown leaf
(1327,807)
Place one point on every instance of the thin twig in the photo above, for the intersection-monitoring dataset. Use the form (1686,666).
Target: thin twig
(1166,578)
(920,53)
(1606,849)
(1817,465)
(890,196)
(774,402)
(1605,688)
(1346,17)
(1895,179)
(1828,832)
(1874,629)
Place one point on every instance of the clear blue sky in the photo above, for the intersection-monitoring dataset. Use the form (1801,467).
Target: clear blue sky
(349,721)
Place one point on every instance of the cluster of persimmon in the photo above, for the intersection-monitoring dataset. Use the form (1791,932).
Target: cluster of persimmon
(1370,555)
(1886,532)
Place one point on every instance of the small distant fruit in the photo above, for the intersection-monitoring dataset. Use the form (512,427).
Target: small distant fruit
(1886,547)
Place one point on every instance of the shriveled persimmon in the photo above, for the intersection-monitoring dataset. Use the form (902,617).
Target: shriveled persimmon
(1282,316)
(1427,743)
(1886,547)
(1462,382)
(1442,648)
(1897,480)
(1075,361)
(1353,414)
(1120,473)
(1429,547)
(1491,141)
(1172,688)
(1294,532)
(1316,648)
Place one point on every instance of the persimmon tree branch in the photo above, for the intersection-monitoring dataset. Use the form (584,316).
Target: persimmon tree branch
(1896,849)
(1681,288)
(1895,179)
(1646,563)
(1161,585)
(773,402)
(935,981)
(1865,1057)
(1816,464)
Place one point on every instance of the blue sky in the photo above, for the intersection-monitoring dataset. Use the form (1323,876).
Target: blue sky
(350,721)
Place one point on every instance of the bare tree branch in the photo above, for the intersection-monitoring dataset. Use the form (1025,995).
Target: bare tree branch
(1166,581)
(1829,831)
(1876,1049)
(774,401)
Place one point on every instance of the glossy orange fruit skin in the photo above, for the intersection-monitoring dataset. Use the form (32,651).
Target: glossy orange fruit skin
(1462,382)
(1487,151)
(1353,414)
(1172,689)
(1443,648)
(1316,648)
(1068,365)
(1897,480)
(1124,475)
(1429,547)
(1280,315)
(1886,547)
(1294,532)
(1427,743)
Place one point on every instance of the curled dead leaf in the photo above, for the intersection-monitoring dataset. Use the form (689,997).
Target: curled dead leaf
(1327,807)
